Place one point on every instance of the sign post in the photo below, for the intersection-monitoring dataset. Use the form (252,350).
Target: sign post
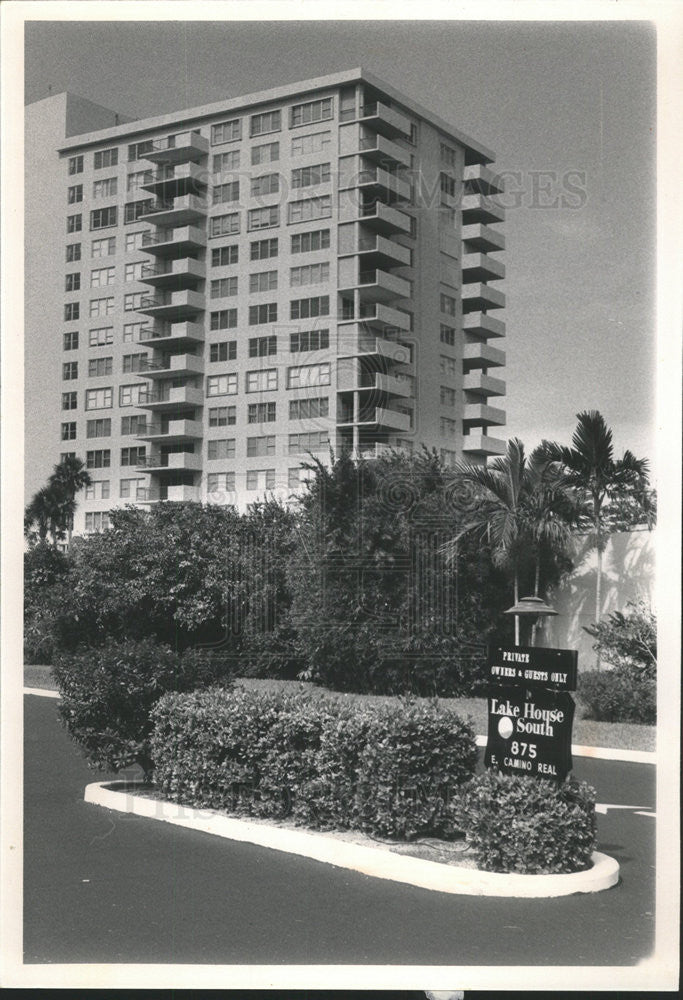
(531,711)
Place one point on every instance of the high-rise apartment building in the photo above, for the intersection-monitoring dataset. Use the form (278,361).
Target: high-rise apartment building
(214,296)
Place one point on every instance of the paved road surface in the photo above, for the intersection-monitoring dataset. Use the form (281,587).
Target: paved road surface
(102,886)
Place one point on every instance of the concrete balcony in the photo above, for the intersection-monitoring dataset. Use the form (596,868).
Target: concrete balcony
(375,177)
(174,242)
(177,461)
(355,340)
(477,208)
(169,181)
(379,416)
(482,180)
(383,317)
(175,212)
(479,296)
(481,267)
(181,148)
(185,272)
(172,366)
(377,285)
(390,385)
(483,445)
(173,431)
(480,355)
(372,451)
(173,398)
(483,385)
(173,306)
(382,150)
(481,415)
(170,334)
(482,325)
(385,120)
(379,216)
(378,251)
(176,494)
(482,239)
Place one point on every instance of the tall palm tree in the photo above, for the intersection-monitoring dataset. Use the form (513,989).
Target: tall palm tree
(68,478)
(590,467)
(42,516)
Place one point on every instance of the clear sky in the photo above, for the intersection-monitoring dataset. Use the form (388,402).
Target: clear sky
(575,99)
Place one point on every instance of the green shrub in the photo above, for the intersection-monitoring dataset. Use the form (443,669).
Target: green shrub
(628,641)
(387,770)
(108,691)
(618,696)
(527,825)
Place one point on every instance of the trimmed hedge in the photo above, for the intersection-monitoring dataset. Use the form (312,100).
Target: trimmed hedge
(108,691)
(390,771)
(516,823)
(618,696)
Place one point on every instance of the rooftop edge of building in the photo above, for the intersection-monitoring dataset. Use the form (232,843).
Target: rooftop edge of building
(133,126)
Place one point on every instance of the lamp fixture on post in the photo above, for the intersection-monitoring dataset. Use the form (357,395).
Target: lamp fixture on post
(532,608)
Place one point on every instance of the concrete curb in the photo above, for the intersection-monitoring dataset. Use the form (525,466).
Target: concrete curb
(43,692)
(373,861)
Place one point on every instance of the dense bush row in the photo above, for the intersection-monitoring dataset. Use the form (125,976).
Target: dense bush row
(388,770)
(617,696)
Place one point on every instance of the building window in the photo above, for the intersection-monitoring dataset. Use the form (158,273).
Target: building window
(221,385)
(133,425)
(308,409)
(263,380)
(96,520)
(69,401)
(129,488)
(447,335)
(230,131)
(448,156)
(75,165)
(223,319)
(316,142)
(73,252)
(319,173)
(268,153)
(102,276)
(72,310)
(222,416)
(107,188)
(309,274)
(133,301)
(447,396)
(103,248)
(106,158)
(318,239)
(447,185)
(261,347)
(261,479)
(263,249)
(74,223)
(309,340)
(265,313)
(69,431)
(75,194)
(133,271)
(306,308)
(226,350)
(99,399)
(220,448)
(448,427)
(224,225)
(312,441)
(71,341)
(101,337)
(222,288)
(138,150)
(293,478)
(448,366)
(99,366)
(267,121)
(448,304)
(220,481)
(131,395)
(263,281)
(225,162)
(301,376)
(134,241)
(103,218)
(69,370)
(259,446)
(133,363)
(99,428)
(310,208)
(101,307)
(222,256)
(133,210)
(100,459)
(136,180)
(132,332)
(72,282)
(311,111)
(267,184)
(226,192)
(261,413)
(263,218)
(133,456)
(98,490)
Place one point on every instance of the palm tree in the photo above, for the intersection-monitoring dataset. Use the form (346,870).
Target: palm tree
(67,479)
(590,468)
(42,516)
